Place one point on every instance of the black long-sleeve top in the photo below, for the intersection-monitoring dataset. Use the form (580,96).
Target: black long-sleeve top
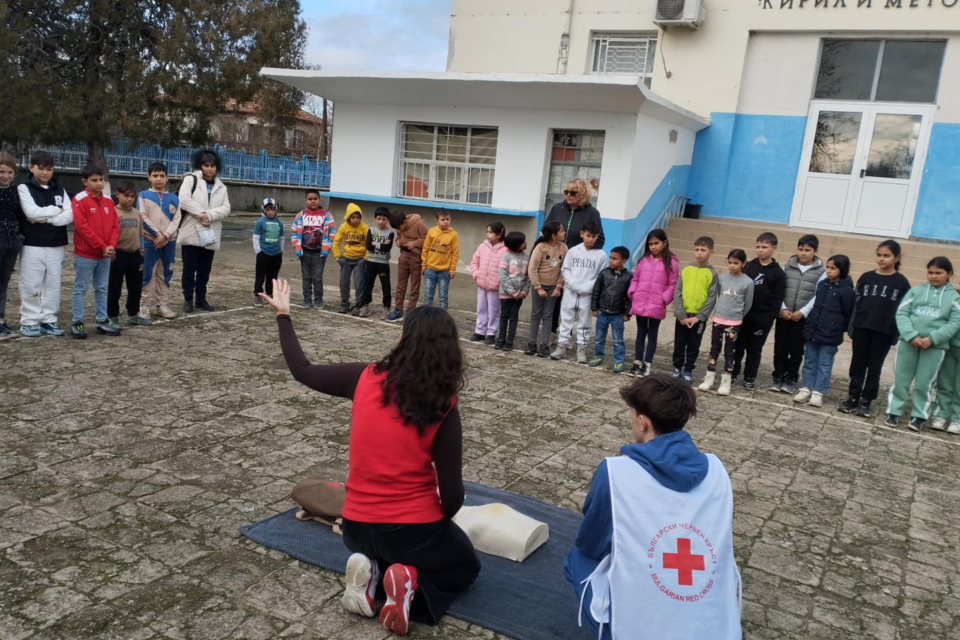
(340,380)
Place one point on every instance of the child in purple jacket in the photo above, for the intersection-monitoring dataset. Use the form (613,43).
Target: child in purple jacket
(651,290)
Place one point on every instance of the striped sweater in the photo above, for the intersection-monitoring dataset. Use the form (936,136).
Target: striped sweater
(313,231)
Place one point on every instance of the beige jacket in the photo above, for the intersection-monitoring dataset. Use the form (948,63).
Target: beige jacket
(194,202)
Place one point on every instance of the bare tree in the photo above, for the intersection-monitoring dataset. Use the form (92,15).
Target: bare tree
(321,109)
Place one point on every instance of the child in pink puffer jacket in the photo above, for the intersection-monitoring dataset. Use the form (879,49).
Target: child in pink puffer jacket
(483,270)
(651,290)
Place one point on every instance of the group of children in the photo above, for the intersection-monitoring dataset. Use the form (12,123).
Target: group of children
(112,245)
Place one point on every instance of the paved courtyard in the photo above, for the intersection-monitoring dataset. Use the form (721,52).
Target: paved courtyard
(127,464)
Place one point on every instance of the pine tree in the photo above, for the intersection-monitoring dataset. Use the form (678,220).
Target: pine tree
(152,71)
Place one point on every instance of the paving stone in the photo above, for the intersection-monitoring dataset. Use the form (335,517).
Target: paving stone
(120,504)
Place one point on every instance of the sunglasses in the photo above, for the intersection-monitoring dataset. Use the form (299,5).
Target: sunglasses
(570,193)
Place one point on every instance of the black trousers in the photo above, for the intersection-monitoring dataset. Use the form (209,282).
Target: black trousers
(753,335)
(268,268)
(788,349)
(441,552)
(725,338)
(870,349)
(197,263)
(686,345)
(374,270)
(509,317)
(9,250)
(127,266)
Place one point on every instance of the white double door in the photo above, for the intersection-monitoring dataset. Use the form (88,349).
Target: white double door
(861,167)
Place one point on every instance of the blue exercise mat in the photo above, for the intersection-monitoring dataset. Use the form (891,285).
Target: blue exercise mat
(527,600)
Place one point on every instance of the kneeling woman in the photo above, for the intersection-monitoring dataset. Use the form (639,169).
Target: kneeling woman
(405,474)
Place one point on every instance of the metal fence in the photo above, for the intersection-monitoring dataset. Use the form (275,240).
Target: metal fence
(237,166)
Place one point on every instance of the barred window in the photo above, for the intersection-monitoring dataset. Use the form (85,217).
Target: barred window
(624,54)
(447,163)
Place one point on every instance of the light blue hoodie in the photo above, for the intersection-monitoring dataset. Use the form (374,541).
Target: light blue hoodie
(672,459)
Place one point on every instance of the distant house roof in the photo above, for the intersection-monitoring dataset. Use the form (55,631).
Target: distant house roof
(250,108)
(616,94)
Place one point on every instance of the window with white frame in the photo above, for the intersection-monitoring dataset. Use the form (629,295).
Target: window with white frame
(631,54)
(440,162)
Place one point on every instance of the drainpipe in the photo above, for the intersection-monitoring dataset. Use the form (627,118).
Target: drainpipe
(564,53)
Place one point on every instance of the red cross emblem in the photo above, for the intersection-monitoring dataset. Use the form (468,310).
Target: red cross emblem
(684,562)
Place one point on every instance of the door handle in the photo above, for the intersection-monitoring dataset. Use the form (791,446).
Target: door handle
(863,172)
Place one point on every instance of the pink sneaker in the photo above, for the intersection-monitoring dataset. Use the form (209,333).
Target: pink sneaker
(362,577)
(400,582)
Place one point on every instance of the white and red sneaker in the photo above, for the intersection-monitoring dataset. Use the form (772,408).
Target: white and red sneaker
(362,577)
(400,582)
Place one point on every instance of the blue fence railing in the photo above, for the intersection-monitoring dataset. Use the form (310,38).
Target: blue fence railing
(258,168)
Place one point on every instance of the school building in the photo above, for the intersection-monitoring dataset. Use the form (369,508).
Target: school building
(841,116)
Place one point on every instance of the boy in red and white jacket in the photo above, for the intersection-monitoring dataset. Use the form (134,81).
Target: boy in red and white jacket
(95,232)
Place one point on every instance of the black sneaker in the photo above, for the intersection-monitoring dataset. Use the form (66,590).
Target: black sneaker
(508,346)
(776,385)
(77,331)
(356,311)
(749,384)
(635,369)
(5,331)
(645,369)
(733,381)
(188,306)
(916,424)
(344,308)
(499,345)
(104,328)
(849,405)
(205,306)
(477,338)
(864,409)
(490,341)
(892,420)
(257,301)
(789,387)
(544,351)
(531,349)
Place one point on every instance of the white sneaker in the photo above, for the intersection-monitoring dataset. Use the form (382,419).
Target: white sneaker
(560,352)
(145,313)
(726,381)
(954,428)
(803,395)
(816,399)
(164,312)
(708,380)
(362,578)
(581,355)
(940,424)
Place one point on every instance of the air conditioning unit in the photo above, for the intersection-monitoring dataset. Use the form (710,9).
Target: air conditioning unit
(679,13)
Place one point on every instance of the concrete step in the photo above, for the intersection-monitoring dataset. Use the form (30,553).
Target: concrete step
(728,234)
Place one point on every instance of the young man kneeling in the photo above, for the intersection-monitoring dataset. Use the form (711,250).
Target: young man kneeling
(654,554)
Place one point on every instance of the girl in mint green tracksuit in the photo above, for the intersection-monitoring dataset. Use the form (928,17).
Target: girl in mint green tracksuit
(927,319)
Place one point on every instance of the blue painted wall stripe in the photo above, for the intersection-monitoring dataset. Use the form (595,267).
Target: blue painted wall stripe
(938,203)
(745,166)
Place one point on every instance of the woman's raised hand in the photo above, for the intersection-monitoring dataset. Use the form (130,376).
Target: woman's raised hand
(280,301)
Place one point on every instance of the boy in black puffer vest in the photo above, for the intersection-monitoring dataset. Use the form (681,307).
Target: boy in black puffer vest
(803,271)
(611,307)
(47,208)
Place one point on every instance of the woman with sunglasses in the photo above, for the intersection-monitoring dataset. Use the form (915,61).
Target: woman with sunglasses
(571,214)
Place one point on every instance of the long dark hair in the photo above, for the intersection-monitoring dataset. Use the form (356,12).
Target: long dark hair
(425,369)
(666,255)
(894,247)
(842,263)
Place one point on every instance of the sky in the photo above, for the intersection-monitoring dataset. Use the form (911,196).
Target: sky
(377,35)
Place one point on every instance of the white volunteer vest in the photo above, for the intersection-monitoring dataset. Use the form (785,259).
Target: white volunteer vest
(671,572)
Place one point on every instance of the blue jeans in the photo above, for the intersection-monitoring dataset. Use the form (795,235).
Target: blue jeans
(615,322)
(818,365)
(434,280)
(87,269)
